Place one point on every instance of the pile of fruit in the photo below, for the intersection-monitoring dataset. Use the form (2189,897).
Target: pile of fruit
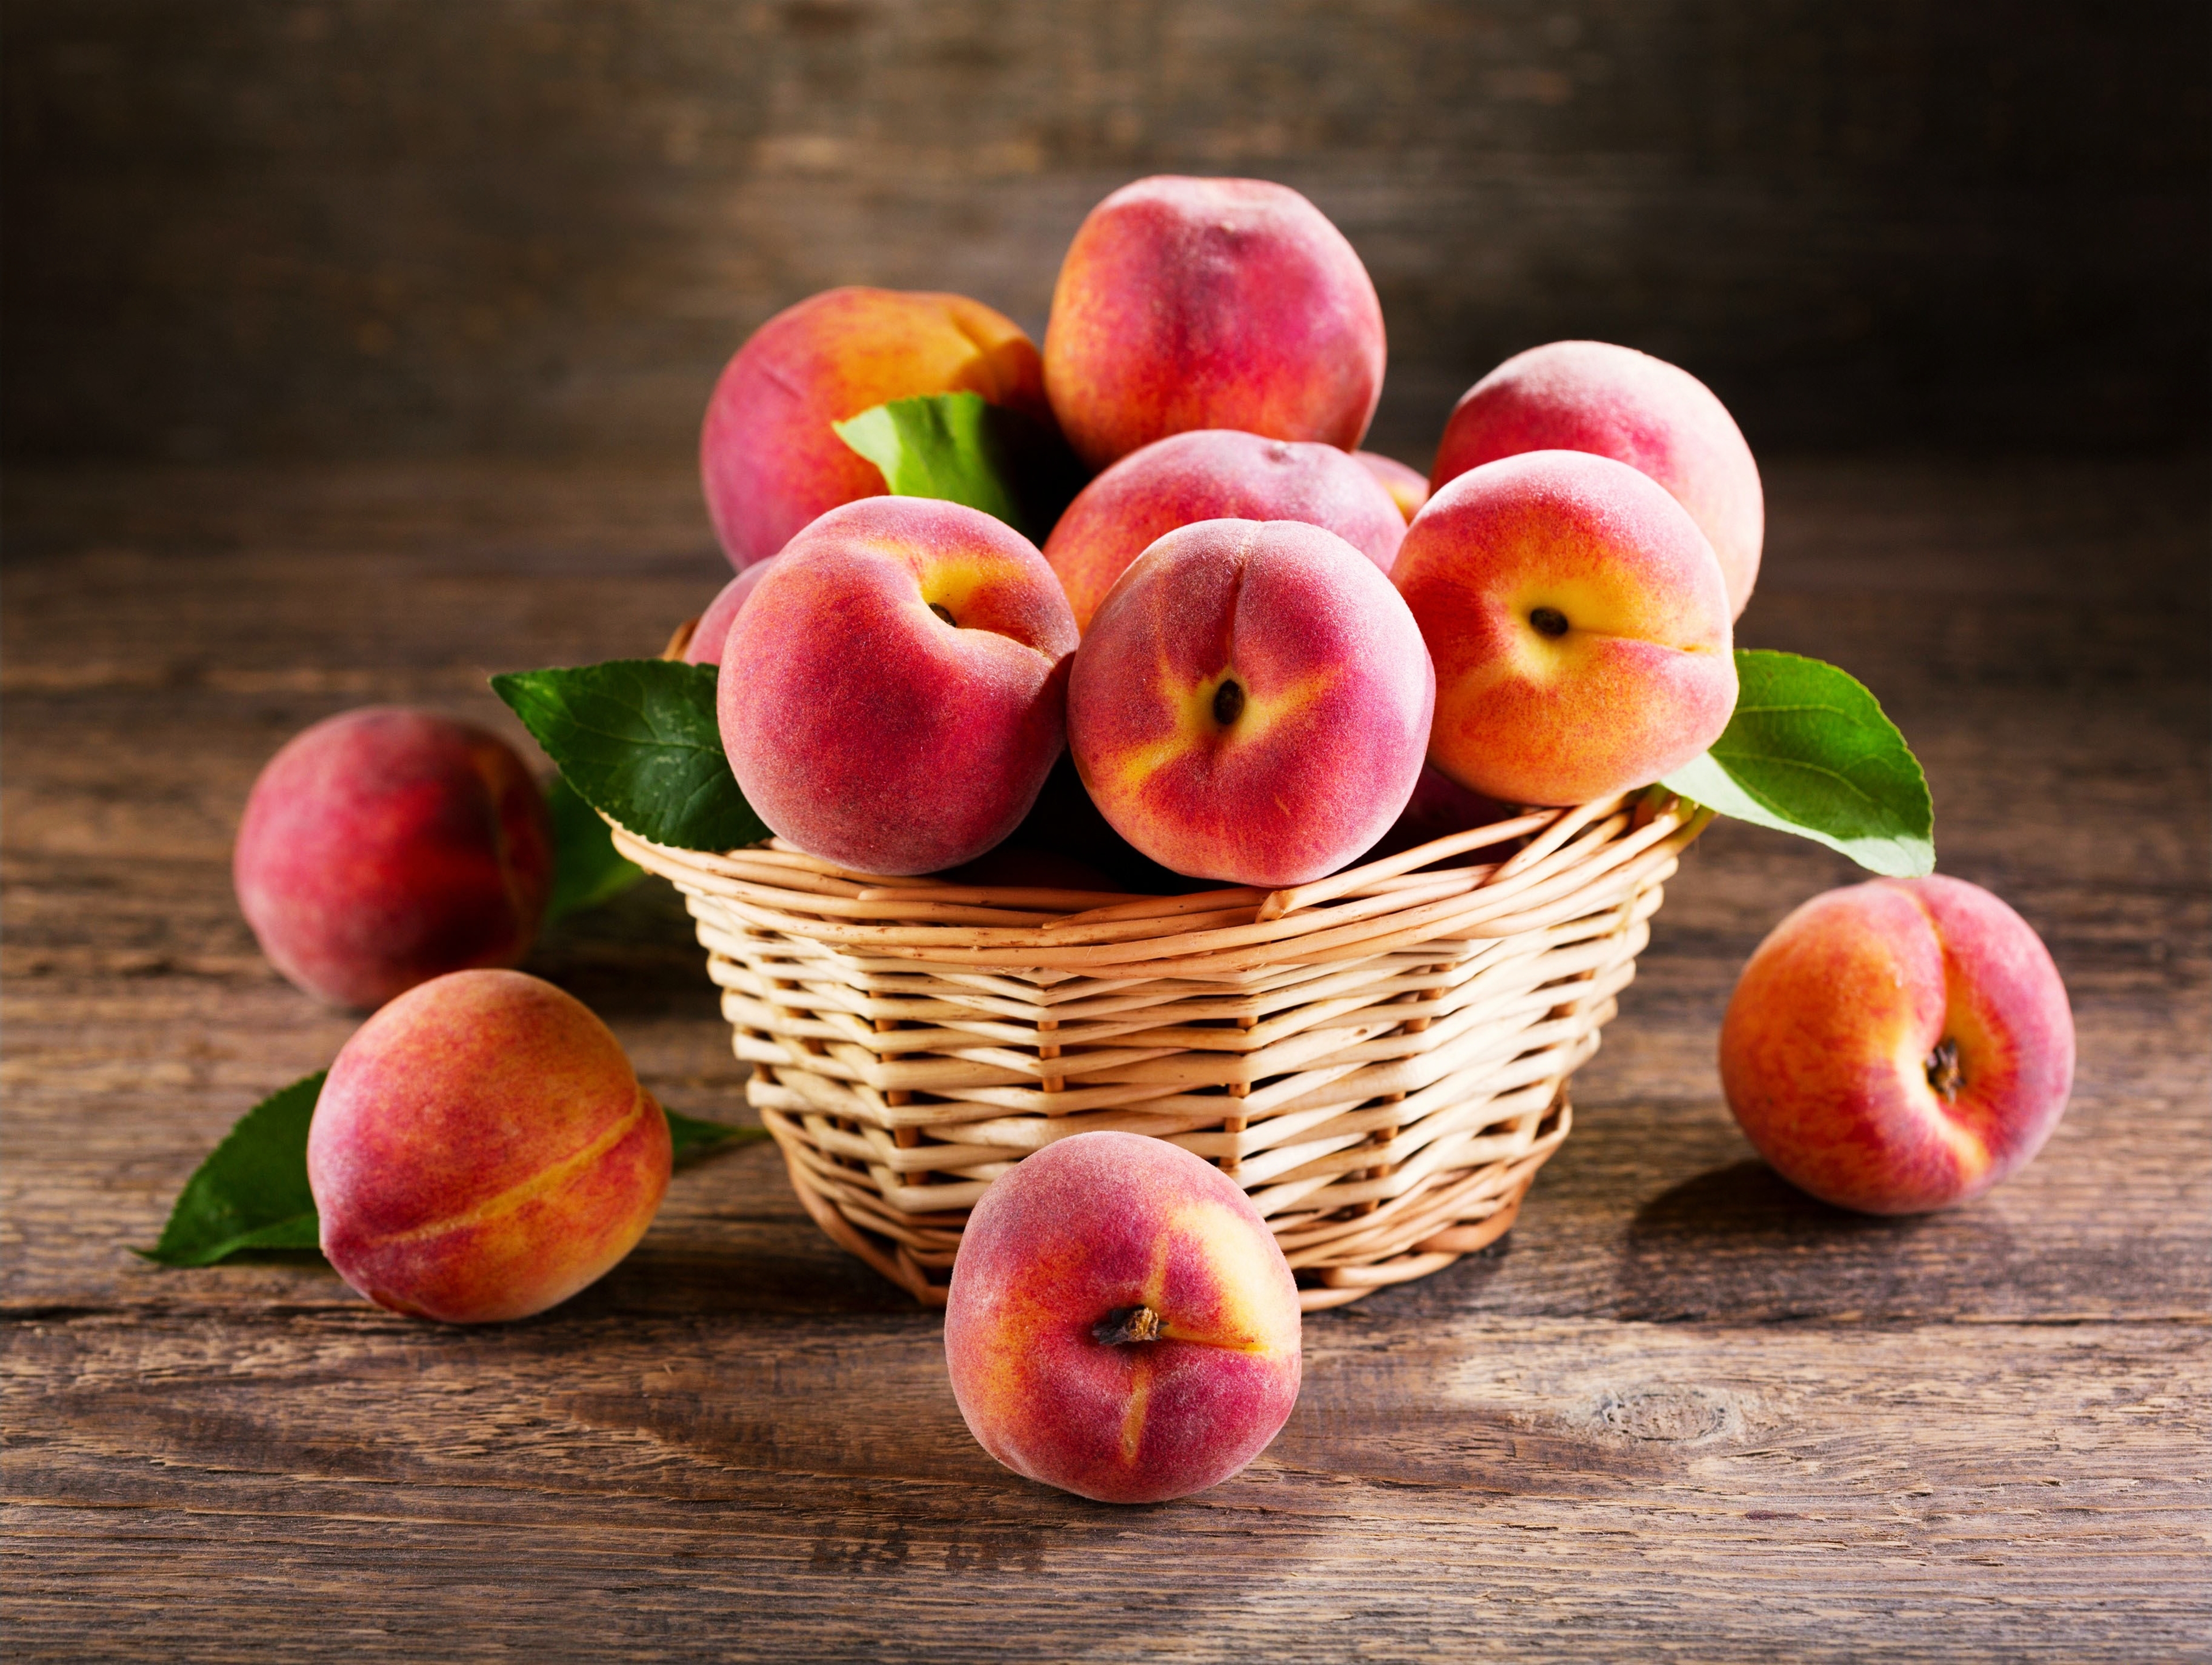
(1130,613)
(1245,647)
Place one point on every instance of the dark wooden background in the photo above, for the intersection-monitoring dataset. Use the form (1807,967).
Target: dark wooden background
(352,349)
(338,228)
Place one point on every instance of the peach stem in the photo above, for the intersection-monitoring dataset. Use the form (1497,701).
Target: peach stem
(1944,1071)
(1126,1324)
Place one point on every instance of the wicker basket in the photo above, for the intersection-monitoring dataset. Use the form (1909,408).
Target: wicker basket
(1379,1057)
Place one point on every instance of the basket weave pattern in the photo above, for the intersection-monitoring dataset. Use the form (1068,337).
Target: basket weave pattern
(1380,1058)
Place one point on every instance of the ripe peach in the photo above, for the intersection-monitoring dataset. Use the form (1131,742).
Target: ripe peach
(1898,1046)
(1120,1323)
(385,846)
(1251,702)
(1408,487)
(1618,402)
(482,1151)
(1189,303)
(768,458)
(895,692)
(1213,474)
(1579,626)
(713,630)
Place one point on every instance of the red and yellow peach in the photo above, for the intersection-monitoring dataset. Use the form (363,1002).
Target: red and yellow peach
(1213,474)
(1188,303)
(1408,487)
(1616,402)
(768,458)
(1120,1323)
(1898,1046)
(1251,702)
(482,1151)
(894,693)
(387,846)
(713,630)
(1579,625)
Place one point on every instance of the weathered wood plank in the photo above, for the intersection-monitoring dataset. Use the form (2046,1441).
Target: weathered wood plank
(803,1489)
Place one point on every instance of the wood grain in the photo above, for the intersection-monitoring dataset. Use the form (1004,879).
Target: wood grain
(1678,1409)
(342,227)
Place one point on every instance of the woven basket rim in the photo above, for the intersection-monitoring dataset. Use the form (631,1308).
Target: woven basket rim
(1208,933)
(1232,932)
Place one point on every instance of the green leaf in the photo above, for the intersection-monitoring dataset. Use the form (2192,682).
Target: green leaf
(587,869)
(638,738)
(694,1137)
(251,1192)
(961,447)
(1809,751)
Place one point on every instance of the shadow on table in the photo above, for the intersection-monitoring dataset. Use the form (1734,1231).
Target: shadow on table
(1748,1198)
(634,956)
(798,1277)
(1739,1244)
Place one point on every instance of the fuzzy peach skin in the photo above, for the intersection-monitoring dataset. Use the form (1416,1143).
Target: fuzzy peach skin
(1188,303)
(1408,487)
(895,692)
(1579,625)
(1616,402)
(768,458)
(387,846)
(1251,704)
(1213,474)
(482,1151)
(713,630)
(1898,1046)
(1120,1323)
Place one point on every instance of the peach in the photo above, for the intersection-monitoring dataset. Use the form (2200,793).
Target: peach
(713,630)
(895,692)
(1188,303)
(387,846)
(1616,402)
(1579,625)
(1213,474)
(1408,487)
(1898,1046)
(1120,1323)
(482,1151)
(768,458)
(1251,704)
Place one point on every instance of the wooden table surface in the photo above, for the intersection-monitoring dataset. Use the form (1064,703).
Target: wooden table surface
(1678,1409)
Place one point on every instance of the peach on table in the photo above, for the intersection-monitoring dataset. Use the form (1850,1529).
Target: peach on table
(1898,1046)
(482,1151)
(387,846)
(1120,1323)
